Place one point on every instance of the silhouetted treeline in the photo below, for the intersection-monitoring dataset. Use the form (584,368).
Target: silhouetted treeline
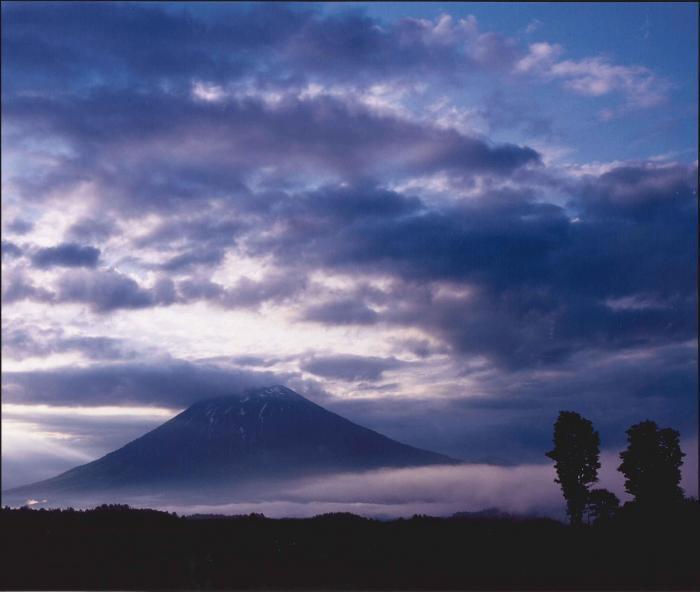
(651,465)
(114,547)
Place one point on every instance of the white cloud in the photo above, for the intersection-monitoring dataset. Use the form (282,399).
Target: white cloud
(533,25)
(598,76)
(437,491)
(209,93)
(594,76)
(539,58)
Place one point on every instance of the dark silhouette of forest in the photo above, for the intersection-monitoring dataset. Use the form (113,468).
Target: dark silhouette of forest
(114,547)
(647,543)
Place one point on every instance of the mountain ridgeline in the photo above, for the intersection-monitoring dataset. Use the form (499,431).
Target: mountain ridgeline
(260,435)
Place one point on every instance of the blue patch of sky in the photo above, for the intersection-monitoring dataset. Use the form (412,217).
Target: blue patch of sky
(660,36)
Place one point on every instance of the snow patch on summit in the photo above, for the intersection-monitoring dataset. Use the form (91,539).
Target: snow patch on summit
(262,410)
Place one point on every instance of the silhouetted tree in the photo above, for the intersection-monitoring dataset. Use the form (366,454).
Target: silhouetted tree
(652,465)
(602,506)
(575,455)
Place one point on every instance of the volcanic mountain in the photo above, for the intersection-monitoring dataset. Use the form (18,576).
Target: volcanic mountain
(262,434)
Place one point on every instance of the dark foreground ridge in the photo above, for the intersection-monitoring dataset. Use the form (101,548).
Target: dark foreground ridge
(114,547)
(261,434)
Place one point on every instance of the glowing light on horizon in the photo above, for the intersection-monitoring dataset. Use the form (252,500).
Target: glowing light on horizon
(98,411)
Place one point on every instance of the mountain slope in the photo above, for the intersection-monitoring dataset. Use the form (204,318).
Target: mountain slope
(267,433)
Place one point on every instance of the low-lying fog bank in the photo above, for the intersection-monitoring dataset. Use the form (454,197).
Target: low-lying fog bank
(386,493)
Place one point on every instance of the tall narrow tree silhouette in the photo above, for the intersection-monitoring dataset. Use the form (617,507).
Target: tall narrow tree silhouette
(652,465)
(602,505)
(575,455)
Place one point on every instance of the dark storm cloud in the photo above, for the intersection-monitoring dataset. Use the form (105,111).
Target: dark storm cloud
(420,347)
(191,242)
(95,348)
(131,43)
(341,312)
(640,192)
(18,226)
(92,230)
(204,150)
(255,361)
(538,283)
(274,287)
(508,418)
(531,284)
(541,286)
(349,367)
(488,238)
(359,48)
(104,291)
(206,229)
(637,228)
(541,281)
(193,258)
(16,286)
(66,255)
(348,204)
(538,327)
(245,293)
(20,340)
(149,45)
(201,289)
(128,102)
(170,383)
(10,249)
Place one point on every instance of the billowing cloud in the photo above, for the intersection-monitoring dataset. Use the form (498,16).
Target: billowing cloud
(341,312)
(594,76)
(283,39)
(279,38)
(172,383)
(104,291)
(16,286)
(528,489)
(66,255)
(23,341)
(92,230)
(246,292)
(348,367)
(206,151)
(18,226)
(11,249)
(394,215)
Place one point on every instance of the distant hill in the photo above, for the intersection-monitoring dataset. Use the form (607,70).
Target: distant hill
(261,434)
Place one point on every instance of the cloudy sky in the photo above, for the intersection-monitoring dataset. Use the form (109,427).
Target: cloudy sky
(446,222)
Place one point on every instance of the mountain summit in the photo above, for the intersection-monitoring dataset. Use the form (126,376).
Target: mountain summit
(261,434)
